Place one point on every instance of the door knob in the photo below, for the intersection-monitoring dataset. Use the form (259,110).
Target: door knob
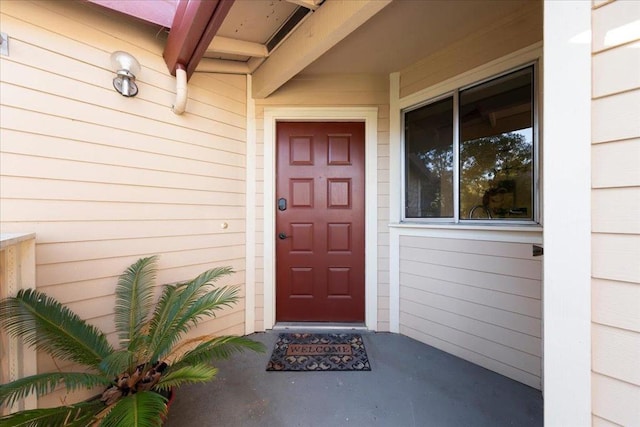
(282,236)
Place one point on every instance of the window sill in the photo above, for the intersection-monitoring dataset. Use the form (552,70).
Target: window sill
(525,233)
(527,228)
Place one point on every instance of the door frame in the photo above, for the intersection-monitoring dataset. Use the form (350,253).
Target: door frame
(368,115)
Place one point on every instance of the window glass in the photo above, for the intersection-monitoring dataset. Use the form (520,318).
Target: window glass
(496,148)
(429,161)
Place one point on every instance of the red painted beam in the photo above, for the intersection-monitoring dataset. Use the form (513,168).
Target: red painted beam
(212,29)
(195,24)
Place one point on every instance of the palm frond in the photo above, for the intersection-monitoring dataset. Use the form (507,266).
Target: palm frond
(43,322)
(164,311)
(118,362)
(142,409)
(189,302)
(217,348)
(199,373)
(45,383)
(134,298)
(78,415)
(207,304)
(197,310)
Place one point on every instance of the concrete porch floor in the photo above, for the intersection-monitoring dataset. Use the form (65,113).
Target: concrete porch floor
(410,384)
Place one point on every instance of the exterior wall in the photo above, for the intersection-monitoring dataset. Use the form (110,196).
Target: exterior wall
(473,291)
(477,299)
(102,179)
(333,91)
(616,214)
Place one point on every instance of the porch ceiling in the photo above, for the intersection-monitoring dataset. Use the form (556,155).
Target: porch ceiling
(361,36)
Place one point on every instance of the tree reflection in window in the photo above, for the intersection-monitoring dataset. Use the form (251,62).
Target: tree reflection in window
(495,172)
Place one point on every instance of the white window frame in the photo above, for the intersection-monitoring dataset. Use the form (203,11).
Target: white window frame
(454,93)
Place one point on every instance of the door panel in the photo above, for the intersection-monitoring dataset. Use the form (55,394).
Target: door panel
(320,244)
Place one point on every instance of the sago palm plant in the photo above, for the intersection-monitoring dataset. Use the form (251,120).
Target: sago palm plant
(152,357)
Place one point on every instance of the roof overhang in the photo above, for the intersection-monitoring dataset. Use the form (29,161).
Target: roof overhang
(194,26)
(329,24)
(274,41)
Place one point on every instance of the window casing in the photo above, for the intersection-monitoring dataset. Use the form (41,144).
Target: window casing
(470,156)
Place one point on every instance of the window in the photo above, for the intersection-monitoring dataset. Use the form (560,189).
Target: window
(469,155)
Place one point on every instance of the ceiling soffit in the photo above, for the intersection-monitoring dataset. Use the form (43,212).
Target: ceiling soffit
(327,26)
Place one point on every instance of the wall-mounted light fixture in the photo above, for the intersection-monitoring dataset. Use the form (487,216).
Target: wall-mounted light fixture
(126,68)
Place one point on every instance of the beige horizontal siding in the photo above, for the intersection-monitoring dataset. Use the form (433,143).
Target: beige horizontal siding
(529,269)
(73,231)
(102,179)
(616,304)
(616,353)
(615,401)
(618,69)
(616,210)
(479,300)
(612,25)
(615,256)
(616,117)
(616,214)
(615,164)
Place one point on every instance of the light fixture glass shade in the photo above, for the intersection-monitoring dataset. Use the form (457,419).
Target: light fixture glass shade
(123,61)
(126,68)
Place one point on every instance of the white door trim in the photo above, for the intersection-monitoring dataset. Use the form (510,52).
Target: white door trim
(368,115)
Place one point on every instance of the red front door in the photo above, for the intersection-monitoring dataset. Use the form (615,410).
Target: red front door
(320,222)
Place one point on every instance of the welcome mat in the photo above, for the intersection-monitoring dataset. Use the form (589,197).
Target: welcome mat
(319,352)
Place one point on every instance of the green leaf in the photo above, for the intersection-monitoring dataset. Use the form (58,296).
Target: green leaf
(78,415)
(181,306)
(218,348)
(43,322)
(207,304)
(165,310)
(45,383)
(134,299)
(187,375)
(201,308)
(142,409)
(118,362)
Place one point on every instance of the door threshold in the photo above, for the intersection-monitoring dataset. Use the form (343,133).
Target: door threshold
(314,326)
